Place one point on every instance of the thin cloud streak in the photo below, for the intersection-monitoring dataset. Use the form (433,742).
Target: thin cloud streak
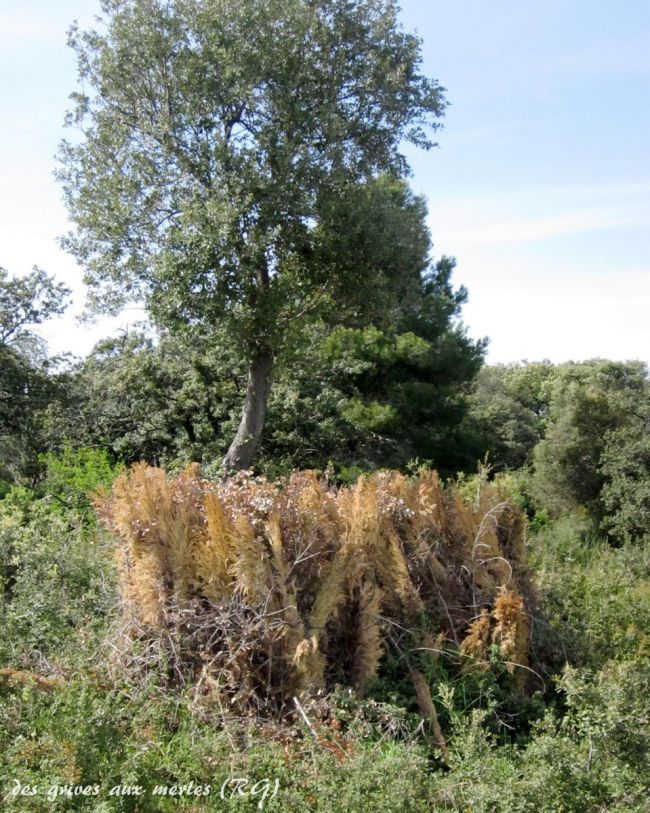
(24,28)
(509,229)
(542,214)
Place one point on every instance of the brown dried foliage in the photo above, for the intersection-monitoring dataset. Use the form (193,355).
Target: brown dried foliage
(258,592)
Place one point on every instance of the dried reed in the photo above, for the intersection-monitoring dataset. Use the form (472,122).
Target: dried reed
(258,593)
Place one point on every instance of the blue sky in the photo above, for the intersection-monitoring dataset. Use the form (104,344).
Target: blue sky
(540,186)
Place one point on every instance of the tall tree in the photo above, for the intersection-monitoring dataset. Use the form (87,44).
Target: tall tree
(507,410)
(592,408)
(26,302)
(25,386)
(217,137)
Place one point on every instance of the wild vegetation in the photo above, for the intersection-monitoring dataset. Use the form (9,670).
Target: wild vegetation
(290,544)
(111,678)
(265,592)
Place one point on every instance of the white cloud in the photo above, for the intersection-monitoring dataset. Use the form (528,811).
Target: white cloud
(528,316)
(24,27)
(486,227)
(540,214)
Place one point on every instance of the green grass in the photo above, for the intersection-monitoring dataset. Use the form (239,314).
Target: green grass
(581,745)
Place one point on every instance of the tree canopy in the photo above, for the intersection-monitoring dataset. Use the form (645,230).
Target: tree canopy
(25,302)
(219,140)
(25,386)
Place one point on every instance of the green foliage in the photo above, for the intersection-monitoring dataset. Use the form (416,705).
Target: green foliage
(588,402)
(576,435)
(625,496)
(596,599)
(374,397)
(73,476)
(83,734)
(205,157)
(25,302)
(24,391)
(363,397)
(372,417)
(56,580)
(371,250)
(27,385)
(507,412)
(609,708)
(594,757)
(168,400)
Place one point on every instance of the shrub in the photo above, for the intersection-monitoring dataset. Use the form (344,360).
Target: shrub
(596,598)
(55,581)
(75,474)
(262,592)
(625,496)
(84,734)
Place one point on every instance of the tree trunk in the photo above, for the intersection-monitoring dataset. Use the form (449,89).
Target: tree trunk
(242,449)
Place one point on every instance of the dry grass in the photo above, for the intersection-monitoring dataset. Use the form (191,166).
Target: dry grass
(256,593)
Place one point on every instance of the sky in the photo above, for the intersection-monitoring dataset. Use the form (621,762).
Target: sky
(540,185)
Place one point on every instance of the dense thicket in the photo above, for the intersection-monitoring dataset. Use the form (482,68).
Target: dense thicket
(576,432)
(392,386)
(385,388)
(580,741)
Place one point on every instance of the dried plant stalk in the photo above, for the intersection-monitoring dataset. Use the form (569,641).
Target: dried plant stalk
(262,592)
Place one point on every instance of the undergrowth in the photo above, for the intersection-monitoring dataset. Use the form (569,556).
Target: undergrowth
(577,741)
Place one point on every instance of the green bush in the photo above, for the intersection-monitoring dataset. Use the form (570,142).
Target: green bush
(625,496)
(74,475)
(83,734)
(583,745)
(56,580)
(593,757)
(595,599)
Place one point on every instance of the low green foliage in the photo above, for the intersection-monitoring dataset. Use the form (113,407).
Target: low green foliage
(577,740)
(625,497)
(84,734)
(596,599)
(56,587)
(575,438)
(73,476)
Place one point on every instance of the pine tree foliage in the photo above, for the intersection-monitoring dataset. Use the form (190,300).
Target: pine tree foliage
(259,592)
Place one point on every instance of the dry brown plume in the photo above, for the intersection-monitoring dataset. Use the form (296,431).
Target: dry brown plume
(258,593)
